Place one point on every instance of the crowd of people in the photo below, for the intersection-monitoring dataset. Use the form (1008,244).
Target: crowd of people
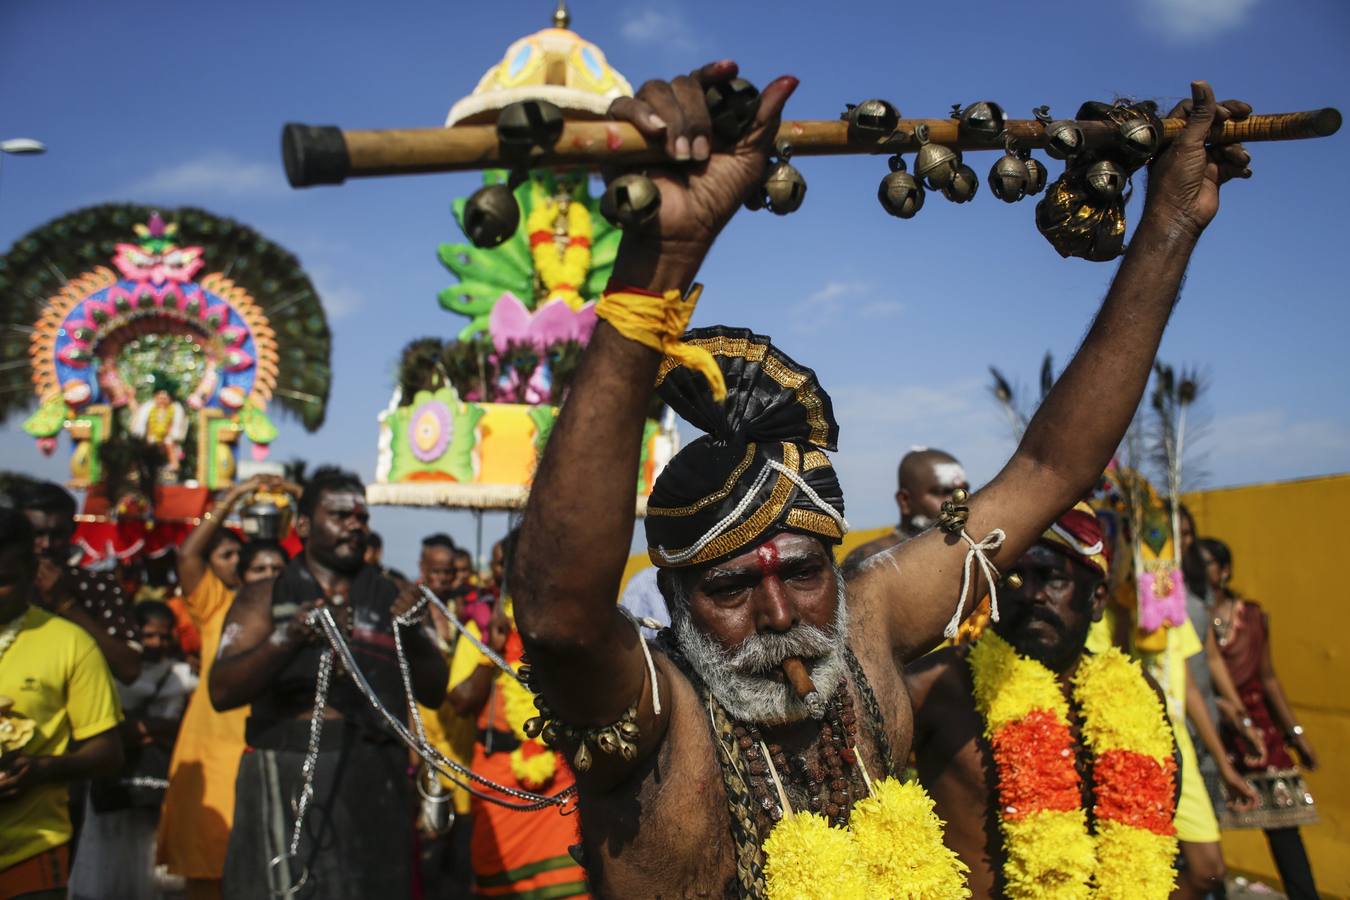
(742,724)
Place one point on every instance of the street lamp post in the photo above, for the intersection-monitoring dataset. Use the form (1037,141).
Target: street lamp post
(21,147)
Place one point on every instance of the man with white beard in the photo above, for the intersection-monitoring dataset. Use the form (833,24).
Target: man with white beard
(772,694)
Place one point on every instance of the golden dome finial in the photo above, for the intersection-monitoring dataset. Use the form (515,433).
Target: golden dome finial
(561,17)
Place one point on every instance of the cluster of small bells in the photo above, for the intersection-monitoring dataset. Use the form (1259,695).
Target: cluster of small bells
(619,738)
(1098,177)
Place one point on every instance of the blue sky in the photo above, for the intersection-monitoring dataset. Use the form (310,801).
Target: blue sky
(182,103)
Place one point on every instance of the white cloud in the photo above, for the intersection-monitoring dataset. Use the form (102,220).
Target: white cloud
(839,301)
(215,174)
(660,26)
(1187,19)
(1266,445)
(338,297)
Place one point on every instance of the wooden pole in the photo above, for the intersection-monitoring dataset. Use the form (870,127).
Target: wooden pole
(318,154)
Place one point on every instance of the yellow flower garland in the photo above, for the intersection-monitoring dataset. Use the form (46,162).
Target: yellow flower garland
(562,272)
(892,848)
(1049,851)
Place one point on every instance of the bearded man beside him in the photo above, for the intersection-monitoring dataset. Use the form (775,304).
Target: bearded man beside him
(746,518)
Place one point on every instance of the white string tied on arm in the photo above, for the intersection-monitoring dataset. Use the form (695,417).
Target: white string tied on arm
(977,554)
(647,655)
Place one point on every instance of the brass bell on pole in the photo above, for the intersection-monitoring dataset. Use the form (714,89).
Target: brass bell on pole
(1063,136)
(1009,178)
(491,215)
(630,201)
(1105,180)
(983,119)
(935,164)
(900,193)
(1139,138)
(731,107)
(527,124)
(873,118)
(1036,174)
(784,188)
(965,183)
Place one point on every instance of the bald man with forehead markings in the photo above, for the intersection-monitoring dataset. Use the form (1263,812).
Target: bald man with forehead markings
(926,479)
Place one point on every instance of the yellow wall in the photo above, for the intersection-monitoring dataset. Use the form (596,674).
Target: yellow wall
(1289,554)
(1288,551)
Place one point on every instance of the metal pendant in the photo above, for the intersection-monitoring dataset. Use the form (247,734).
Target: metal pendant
(1008,179)
(491,215)
(1063,137)
(965,184)
(1036,174)
(900,193)
(630,201)
(872,118)
(731,107)
(935,164)
(1105,181)
(784,188)
(983,119)
(1139,138)
(527,124)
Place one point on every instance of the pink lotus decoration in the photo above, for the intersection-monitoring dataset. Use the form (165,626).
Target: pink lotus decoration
(1162,600)
(511,322)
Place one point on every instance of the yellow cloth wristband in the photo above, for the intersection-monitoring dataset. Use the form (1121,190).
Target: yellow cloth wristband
(659,323)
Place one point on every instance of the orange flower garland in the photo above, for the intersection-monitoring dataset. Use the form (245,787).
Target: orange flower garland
(1049,850)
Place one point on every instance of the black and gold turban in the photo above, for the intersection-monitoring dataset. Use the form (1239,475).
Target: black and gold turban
(761,466)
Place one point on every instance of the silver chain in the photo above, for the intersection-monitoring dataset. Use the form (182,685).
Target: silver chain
(443,765)
(493,655)
(308,769)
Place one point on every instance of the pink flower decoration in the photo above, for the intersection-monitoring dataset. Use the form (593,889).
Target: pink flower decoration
(1162,600)
(233,335)
(260,451)
(237,361)
(99,312)
(174,264)
(511,321)
(74,355)
(47,445)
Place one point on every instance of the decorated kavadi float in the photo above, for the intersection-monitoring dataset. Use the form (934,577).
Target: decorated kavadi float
(160,344)
(470,416)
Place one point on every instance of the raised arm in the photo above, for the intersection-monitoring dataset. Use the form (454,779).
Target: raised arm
(192,560)
(578,525)
(1071,438)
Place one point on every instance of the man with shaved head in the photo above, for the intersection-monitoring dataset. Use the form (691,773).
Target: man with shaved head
(926,479)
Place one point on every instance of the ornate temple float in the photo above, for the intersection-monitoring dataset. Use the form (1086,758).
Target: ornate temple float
(159,343)
(470,417)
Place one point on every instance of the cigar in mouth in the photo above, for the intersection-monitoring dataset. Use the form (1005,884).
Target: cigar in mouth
(800,679)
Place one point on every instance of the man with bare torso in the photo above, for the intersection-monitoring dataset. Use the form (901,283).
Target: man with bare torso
(742,523)
(926,479)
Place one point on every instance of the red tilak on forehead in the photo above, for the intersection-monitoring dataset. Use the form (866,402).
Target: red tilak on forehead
(767,556)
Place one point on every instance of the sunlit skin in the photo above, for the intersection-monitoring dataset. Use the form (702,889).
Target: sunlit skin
(785,581)
(224,562)
(1048,617)
(437,568)
(335,535)
(335,538)
(927,479)
(264,566)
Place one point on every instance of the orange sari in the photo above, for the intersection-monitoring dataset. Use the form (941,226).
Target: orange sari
(194,828)
(517,854)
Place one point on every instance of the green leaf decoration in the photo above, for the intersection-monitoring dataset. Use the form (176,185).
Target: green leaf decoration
(49,418)
(460,452)
(258,427)
(543,418)
(649,429)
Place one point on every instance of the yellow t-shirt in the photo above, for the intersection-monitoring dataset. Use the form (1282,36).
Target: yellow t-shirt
(57,677)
